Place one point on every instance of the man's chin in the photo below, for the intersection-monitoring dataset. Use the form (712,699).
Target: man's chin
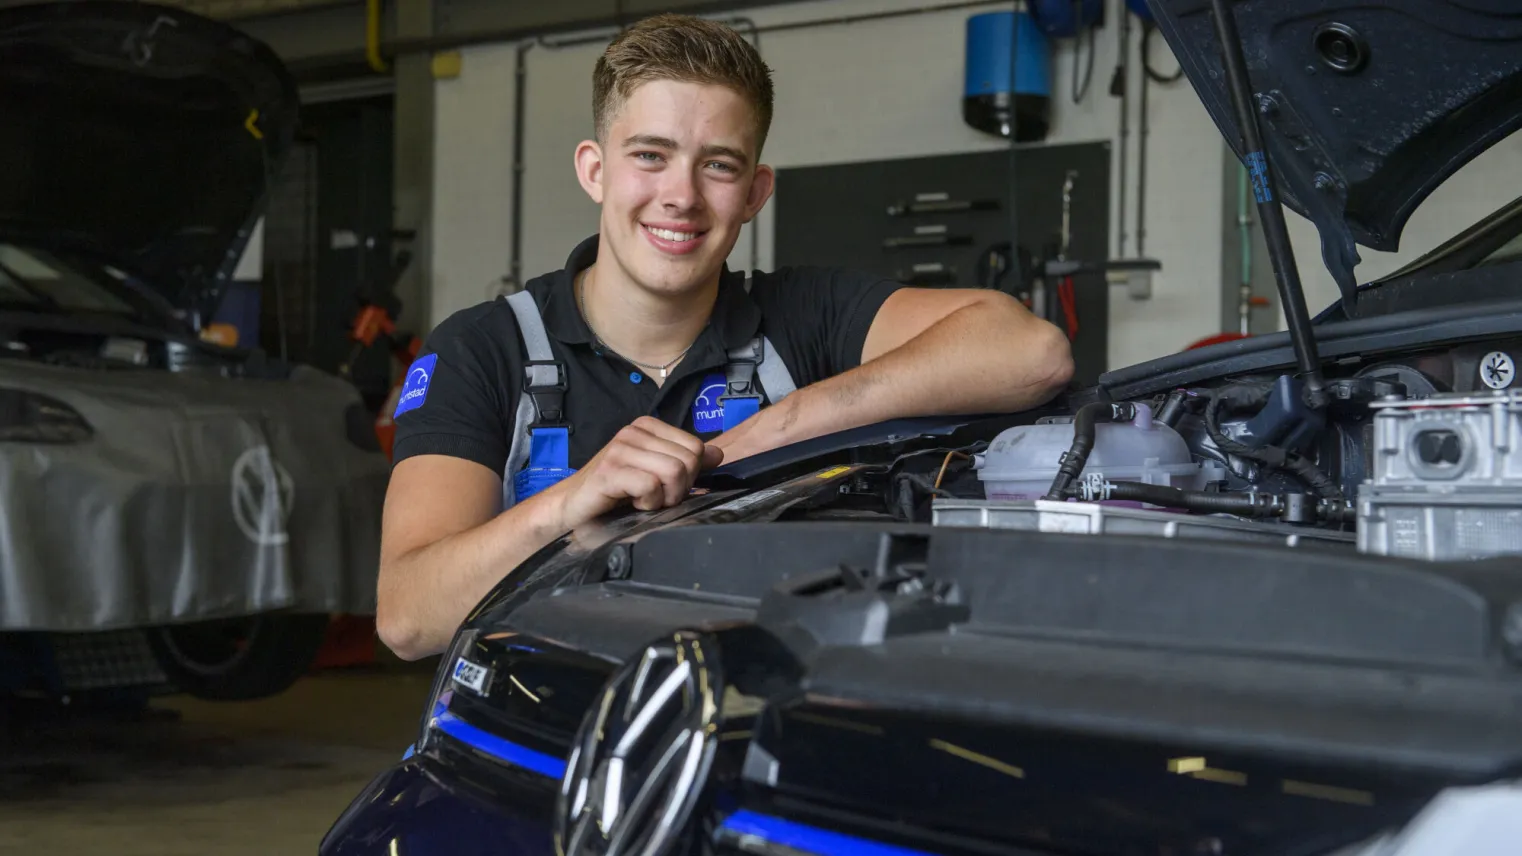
(677,276)
(667,285)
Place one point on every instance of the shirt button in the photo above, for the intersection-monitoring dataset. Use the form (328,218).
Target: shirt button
(635,377)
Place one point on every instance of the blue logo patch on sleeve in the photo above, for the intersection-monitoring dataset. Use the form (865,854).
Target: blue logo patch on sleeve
(415,388)
(707,410)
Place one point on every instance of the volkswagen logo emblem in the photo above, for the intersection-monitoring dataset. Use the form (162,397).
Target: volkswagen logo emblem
(262,492)
(640,760)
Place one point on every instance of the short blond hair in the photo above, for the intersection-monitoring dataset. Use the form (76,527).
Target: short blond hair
(681,48)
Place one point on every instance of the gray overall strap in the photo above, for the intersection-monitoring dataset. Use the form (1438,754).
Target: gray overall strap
(751,361)
(537,343)
(776,380)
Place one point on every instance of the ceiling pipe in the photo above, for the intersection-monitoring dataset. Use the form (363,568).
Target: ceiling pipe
(393,48)
(373,56)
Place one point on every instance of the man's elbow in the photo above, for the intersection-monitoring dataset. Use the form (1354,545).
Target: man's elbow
(399,633)
(400,627)
(1049,362)
(1057,359)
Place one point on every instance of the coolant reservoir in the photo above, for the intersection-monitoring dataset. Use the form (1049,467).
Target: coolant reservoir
(1021,462)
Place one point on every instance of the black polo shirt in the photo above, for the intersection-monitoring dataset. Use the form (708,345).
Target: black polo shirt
(816,318)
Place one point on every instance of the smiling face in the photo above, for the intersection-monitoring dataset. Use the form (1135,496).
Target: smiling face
(676,176)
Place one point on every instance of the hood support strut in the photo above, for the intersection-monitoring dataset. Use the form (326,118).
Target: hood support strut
(1275,232)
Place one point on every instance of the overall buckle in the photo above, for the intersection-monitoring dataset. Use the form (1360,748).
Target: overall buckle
(549,399)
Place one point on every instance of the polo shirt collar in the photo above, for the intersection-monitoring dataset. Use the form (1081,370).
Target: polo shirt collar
(735,321)
(562,317)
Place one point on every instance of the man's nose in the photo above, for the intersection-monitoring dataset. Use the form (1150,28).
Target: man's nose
(679,191)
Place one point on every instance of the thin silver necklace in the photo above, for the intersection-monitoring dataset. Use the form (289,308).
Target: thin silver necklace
(581,302)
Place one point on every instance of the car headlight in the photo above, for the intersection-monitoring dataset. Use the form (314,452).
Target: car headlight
(28,417)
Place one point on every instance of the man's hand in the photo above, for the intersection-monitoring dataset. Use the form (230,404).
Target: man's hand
(446,544)
(649,463)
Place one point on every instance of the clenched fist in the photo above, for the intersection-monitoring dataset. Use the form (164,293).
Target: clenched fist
(649,463)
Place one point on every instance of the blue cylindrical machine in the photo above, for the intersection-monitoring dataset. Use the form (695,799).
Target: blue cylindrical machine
(987,102)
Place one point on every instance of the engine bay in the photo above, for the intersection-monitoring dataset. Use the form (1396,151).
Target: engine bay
(1245,458)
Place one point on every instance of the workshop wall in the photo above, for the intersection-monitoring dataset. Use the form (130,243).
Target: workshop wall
(864,91)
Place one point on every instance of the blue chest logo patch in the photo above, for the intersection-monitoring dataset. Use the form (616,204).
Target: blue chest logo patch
(707,410)
(415,388)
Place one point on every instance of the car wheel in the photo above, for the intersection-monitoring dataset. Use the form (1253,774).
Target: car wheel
(237,659)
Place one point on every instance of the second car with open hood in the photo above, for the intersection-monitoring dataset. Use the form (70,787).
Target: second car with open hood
(142,135)
(199,507)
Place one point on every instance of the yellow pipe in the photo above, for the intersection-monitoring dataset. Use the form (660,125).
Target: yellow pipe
(372,36)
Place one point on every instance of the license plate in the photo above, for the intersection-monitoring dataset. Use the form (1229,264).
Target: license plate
(471,675)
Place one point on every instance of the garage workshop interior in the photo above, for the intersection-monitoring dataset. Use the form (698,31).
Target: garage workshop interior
(1247,582)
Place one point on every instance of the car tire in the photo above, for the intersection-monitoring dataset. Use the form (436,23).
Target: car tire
(239,659)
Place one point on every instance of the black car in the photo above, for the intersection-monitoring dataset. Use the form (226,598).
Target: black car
(1209,629)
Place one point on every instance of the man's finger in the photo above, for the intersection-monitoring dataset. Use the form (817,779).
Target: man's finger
(675,474)
(644,488)
(712,457)
(670,433)
(690,458)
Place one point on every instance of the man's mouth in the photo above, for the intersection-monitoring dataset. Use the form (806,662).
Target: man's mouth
(673,235)
(684,240)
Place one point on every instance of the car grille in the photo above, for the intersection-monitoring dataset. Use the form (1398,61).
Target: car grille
(525,717)
(487,777)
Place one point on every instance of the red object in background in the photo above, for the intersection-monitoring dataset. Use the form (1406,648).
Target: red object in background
(350,642)
(1216,340)
(1067,297)
(351,639)
(385,428)
(1252,303)
(372,324)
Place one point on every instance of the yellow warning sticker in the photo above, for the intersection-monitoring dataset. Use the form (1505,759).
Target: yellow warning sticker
(833,472)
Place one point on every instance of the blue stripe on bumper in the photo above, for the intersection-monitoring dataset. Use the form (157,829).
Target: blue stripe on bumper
(503,750)
(810,839)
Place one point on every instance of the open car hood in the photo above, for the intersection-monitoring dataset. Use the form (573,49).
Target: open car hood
(1365,107)
(142,134)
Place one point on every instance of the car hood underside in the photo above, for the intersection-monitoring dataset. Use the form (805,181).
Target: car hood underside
(1365,107)
(139,133)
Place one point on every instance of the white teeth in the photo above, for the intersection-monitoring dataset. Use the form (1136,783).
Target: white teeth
(670,235)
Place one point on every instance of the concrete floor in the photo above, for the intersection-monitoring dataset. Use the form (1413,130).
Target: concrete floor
(266,777)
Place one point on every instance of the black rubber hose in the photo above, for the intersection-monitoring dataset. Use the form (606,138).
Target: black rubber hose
(1250,397)
(1084,422)
(1240,504)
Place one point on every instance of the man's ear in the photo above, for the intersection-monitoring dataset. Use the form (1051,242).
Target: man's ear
(761,187)
(589,168)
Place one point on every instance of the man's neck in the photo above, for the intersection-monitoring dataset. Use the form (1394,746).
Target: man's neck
(639,326)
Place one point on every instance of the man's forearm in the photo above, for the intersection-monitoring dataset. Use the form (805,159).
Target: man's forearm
(979,359)
(427,592)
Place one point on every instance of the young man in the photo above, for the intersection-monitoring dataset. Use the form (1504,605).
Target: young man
(644,330)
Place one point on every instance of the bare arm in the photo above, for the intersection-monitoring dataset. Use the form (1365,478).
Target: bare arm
(444,544)
(928,352)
